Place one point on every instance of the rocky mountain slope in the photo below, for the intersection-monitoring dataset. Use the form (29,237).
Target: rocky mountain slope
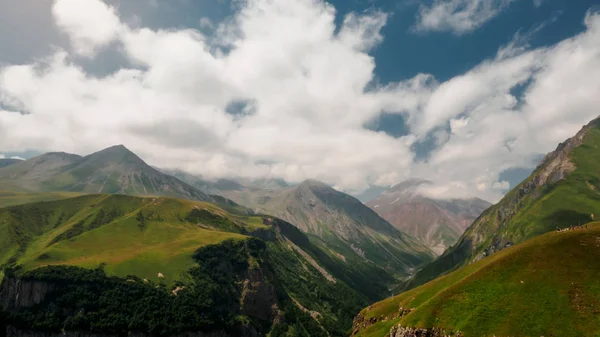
(546,286)
(563,191)
(346,226)
(116,264)
(112,170)
(437,223)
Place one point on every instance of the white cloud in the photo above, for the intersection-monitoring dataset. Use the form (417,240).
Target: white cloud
(286,57)
(458,16)
(501,133)
(310,86)
(501,185)
(90,24)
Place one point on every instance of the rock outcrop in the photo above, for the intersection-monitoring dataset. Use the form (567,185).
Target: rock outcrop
(400,331)
(259,298)
(361,322)
(16,293)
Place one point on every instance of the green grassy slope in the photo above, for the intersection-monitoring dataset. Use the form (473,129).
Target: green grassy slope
(563,191)
(18,198)
(97,245)
(547,286)
(131,235)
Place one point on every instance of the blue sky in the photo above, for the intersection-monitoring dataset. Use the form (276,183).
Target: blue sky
(403,89)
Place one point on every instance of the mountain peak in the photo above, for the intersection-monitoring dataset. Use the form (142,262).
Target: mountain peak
(116,148)
(410,184)
(117,154)
(313,183)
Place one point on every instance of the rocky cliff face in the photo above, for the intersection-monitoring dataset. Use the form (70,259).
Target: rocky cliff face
(16,293)
(259,298)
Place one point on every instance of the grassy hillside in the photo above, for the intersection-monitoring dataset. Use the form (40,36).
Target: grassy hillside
(18,198)
(93,245)
(547,286)
(563,191)
(131,235)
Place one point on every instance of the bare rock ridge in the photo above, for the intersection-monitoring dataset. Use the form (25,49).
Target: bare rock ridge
(438,223)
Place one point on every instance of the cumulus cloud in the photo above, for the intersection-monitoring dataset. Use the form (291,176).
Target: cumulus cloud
(90,24)
(492,130)
(458,16)
(288,58)
(282,91)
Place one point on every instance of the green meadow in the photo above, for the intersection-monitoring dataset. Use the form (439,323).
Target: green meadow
(126,235)
(547,286)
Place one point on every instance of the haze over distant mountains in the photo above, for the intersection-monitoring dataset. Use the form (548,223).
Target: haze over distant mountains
(436,222)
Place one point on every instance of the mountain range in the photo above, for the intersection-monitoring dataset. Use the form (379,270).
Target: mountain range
(184,257)
(347,226)
(438,223)
(111,212)
(112,170)
(349,229)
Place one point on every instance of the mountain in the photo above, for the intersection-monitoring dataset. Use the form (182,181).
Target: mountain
(8,161)
(156,266)
(436,222)
(343,224)
(112,170)
(563,191)
(546,286)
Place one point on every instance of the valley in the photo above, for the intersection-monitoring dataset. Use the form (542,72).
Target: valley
(256,258)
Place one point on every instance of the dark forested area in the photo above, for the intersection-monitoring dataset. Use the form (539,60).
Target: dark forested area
(207,300)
